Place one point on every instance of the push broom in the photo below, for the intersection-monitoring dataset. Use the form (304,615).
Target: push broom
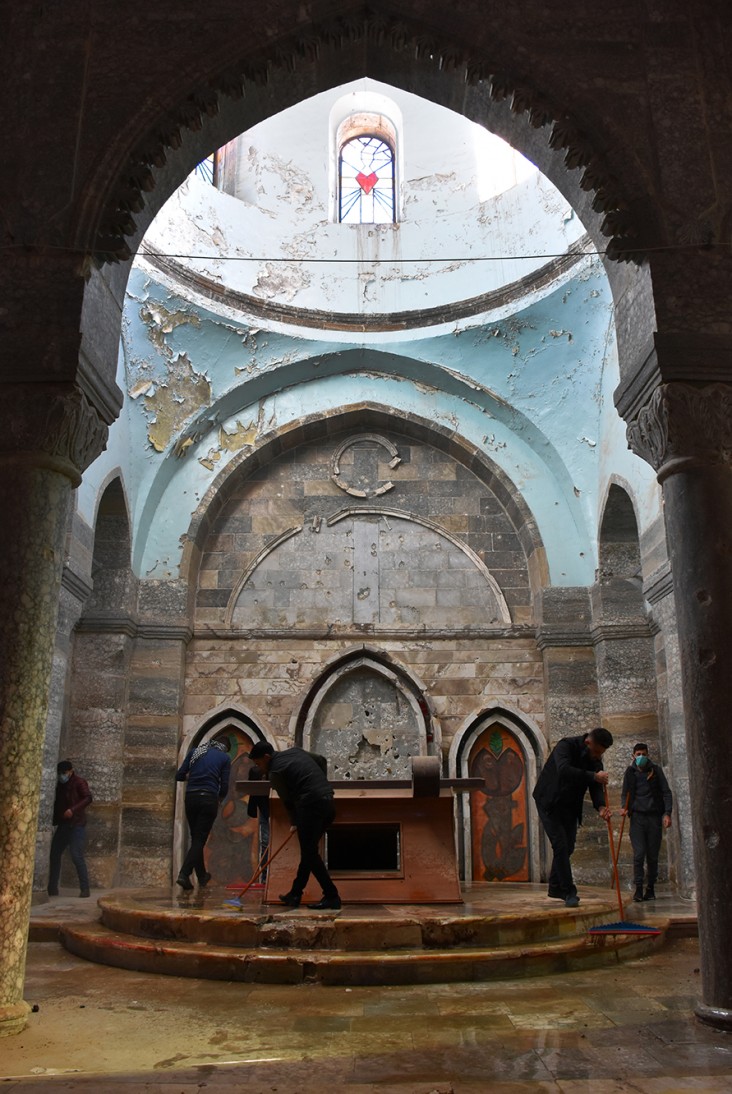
(236,902)
(622,926)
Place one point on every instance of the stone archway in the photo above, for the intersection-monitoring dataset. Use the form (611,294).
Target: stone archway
(232,850)
(367,720)
(498,827)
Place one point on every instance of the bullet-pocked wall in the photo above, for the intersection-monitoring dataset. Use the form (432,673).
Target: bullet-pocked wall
(365,466)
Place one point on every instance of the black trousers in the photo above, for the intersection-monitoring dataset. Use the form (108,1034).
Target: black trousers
(201,810)
(561,829)
(645,836)
(311,822)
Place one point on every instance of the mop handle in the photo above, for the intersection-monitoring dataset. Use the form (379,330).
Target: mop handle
(622,826)
(265,864)
(612,855)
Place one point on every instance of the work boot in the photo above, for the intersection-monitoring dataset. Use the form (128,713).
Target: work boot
(638,894)
(650,893)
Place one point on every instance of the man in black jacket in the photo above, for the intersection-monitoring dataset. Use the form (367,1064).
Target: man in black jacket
(573,767)
(300,782)
(647,796)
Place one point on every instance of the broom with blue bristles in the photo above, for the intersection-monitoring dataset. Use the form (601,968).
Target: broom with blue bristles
(622,926)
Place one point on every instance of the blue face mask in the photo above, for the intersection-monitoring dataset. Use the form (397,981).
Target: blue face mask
(64,778)
(642,761)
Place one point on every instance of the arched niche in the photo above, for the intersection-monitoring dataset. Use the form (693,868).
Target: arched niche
(112,582)
(620,571)
(232,850)
(498,832)
(368,719)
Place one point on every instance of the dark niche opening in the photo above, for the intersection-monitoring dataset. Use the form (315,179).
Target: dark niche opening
(363,848)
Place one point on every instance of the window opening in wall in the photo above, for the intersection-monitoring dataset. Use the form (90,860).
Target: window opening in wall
(366,176)
(206,169)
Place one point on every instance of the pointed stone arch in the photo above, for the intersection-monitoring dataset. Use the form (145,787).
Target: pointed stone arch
(368,716)
(232,850)
(498,829)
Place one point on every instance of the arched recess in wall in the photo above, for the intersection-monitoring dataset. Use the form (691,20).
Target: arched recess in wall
(498,833)
(619,544)
(232,850)
(368,717)
(364,417)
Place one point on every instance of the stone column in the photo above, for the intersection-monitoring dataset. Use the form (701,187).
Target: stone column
(48,434)
(685,432)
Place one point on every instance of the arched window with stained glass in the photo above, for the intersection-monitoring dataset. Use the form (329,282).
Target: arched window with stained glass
(366,173)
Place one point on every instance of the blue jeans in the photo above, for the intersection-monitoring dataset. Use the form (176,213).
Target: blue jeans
(72,836)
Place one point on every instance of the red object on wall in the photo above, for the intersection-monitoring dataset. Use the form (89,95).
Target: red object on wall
(367,182)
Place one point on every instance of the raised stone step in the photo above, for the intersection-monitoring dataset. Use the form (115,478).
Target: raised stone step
(378,928)
(205,960)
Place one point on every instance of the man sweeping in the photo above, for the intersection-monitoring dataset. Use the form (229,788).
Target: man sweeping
(307,795)
(574,766)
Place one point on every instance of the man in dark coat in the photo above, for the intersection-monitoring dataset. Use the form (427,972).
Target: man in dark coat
(301,783)
(573,767)
(69,815)
(647,797)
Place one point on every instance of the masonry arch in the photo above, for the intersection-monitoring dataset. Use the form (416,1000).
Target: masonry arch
(369,717)
(232,850)
(151,157)
(498,829)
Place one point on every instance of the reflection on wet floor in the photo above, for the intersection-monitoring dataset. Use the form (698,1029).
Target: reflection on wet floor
(625,1028)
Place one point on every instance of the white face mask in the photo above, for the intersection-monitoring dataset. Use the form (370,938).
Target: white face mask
(64,778)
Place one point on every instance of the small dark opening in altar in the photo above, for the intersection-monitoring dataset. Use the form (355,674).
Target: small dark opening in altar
(363,848)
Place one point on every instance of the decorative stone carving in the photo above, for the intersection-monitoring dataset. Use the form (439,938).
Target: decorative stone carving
(50,425)
(683,423)
(371,490)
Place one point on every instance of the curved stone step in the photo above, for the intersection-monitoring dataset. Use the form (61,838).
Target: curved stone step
(392,928)
(356,967)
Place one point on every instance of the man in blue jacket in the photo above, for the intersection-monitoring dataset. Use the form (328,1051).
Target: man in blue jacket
(573,767)
(206,770)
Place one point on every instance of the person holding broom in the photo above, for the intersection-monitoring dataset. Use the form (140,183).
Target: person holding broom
(649,801)
(574,766)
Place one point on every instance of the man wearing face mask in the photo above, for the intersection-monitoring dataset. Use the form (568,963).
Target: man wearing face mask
(69,815)
(647,798)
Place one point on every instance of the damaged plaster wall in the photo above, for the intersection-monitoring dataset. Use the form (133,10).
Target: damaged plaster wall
(469,204)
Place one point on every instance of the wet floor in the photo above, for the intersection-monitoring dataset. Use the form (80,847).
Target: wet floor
(621,1029)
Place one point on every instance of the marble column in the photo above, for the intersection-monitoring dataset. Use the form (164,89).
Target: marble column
(685,432)
(48,434)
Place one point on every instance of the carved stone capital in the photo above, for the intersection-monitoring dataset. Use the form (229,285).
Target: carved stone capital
(682,424)
(50,425)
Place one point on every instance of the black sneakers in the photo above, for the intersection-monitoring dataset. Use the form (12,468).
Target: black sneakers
(650,893)
(184,882)
(638,895)
(327,903)
(292,900)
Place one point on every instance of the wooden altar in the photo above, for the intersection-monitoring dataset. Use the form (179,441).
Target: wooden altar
(392,842)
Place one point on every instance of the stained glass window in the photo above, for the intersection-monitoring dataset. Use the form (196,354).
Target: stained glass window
(206,169)
(366,181)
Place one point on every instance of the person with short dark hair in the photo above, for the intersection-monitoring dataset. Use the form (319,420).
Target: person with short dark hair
(205,770)
(300,781)
(73,796)
(574,766)
(647,797)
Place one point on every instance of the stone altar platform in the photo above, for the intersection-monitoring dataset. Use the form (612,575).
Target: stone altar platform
(500,931)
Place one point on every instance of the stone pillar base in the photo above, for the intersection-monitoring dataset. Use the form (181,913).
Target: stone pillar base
(13,1018)
(720,1017)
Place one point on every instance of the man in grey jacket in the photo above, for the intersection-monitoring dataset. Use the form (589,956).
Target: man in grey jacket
(301,783)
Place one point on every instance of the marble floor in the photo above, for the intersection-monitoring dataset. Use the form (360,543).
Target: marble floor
(629,1028)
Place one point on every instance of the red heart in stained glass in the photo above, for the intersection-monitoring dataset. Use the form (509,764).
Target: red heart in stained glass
(367,182)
